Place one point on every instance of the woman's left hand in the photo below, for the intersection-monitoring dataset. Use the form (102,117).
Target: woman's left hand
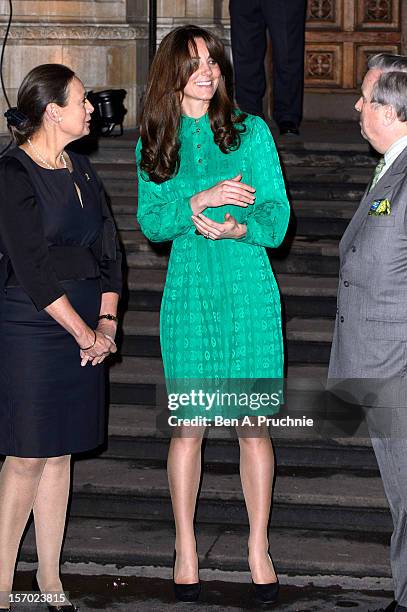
(108,329)
(230,228)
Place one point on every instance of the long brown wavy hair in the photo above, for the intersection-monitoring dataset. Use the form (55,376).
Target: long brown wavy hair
(170,71)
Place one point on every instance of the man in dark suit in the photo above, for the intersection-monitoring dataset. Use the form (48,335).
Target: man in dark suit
(369,350)
(285,21)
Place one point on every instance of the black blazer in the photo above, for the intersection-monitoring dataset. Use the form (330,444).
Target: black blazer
(46,236)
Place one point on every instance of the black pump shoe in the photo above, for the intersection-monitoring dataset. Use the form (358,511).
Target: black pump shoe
(63,608)
(266,593)
(185,592)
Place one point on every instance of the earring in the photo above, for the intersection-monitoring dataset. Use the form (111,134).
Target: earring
(59,119)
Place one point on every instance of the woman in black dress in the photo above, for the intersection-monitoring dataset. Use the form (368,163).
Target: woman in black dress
(60,281)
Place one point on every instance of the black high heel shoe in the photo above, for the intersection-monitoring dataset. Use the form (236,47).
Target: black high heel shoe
(63,608)
(266,593)
(185,592)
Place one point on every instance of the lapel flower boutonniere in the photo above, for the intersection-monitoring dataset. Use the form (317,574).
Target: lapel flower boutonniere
(380,207)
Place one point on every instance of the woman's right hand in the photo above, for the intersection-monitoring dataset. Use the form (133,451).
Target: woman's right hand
(225,192)
(99,351)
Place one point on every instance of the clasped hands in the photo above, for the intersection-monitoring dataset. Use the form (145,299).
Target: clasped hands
(231,191)
(104,345)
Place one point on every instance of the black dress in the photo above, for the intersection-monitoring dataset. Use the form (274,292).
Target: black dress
(51,246)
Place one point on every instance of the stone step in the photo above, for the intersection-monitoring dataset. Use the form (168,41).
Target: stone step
(328,189)
(300,190)
(304,154)
(135,433)
(320,137)
(310,330)
(309,341)
(330,175)
(312,226)
(320,158)
(325,219)
(307,173)
(322,227)
(106,488)
(327,209)
(136,380)
(290,284)
(127,205)
(303,296)
(300,245)
(301,185)
(123,543)
(298,255)
(135,370)
(306,226)
(303,182)
(147,323)
(308,218)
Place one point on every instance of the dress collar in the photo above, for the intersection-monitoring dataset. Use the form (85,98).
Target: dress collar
(194,123)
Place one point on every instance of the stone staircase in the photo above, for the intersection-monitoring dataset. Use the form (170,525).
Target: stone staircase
(330,515)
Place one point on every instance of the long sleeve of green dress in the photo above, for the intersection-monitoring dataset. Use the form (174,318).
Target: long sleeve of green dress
(163,212)
(268,217)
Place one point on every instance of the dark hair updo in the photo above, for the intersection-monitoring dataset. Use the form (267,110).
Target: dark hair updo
(42,85)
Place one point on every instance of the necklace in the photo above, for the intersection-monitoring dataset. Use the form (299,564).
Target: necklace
(44,161)
(63,160)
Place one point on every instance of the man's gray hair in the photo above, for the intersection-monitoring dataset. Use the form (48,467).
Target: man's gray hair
(388,62)
(391,87)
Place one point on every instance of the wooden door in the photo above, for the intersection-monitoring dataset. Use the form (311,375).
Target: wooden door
(341,35)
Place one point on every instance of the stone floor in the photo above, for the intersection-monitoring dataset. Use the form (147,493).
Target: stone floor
(134,594)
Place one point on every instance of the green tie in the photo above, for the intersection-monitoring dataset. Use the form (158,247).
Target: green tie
(378,169)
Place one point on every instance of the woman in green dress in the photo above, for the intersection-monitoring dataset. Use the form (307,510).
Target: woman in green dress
(210,181)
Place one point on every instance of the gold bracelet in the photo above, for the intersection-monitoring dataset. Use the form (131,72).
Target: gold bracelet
(92,345)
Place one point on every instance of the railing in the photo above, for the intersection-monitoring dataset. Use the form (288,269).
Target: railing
(152,29)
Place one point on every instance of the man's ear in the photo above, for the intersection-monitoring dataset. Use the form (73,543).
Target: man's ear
(389,114)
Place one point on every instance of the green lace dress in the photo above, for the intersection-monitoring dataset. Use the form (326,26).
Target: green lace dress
(220,314)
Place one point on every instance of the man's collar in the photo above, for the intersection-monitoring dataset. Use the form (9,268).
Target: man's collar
(396,148)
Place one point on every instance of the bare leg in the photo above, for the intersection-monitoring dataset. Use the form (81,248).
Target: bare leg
(184,473)
(19,479)
(49,519)
(257,472)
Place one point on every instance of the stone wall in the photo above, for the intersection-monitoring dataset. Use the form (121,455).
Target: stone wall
(104,41)
(211,14)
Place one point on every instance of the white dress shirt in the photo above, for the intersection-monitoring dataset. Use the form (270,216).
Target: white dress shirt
(392,154)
